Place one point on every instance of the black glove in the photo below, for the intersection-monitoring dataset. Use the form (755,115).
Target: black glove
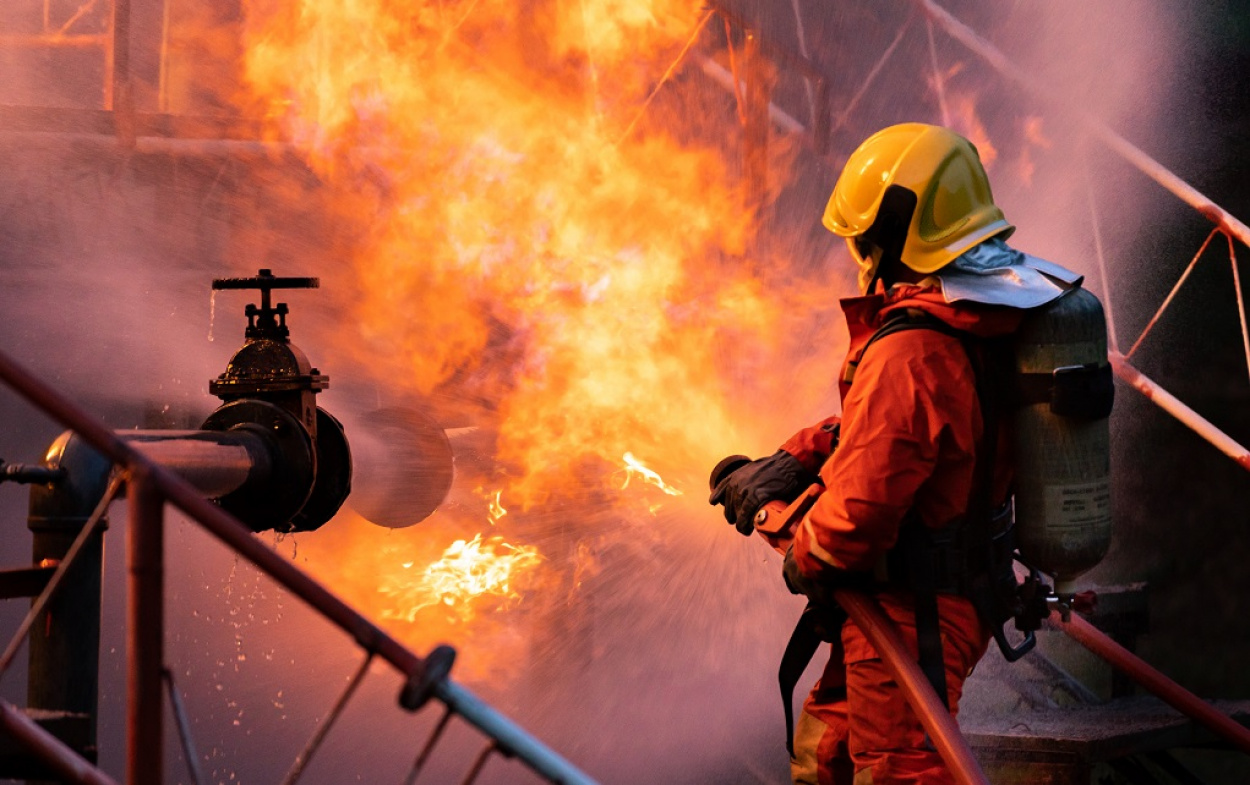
(820,590)
(780,476)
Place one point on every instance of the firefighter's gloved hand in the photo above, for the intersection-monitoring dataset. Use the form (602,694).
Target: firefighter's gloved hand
(820,590)
(796,582)
(780,476)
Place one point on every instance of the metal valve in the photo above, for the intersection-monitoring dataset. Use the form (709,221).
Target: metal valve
(269,389)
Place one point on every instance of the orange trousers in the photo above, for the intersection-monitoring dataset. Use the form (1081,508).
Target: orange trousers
(856,727)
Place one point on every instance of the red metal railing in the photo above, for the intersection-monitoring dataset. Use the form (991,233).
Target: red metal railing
(934,716)
(1152,680)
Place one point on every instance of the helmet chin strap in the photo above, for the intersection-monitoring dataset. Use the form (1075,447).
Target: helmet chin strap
(888,233)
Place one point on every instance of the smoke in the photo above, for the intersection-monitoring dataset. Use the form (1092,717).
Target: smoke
(496,252)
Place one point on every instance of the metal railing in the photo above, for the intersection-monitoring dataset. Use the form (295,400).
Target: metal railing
(149,487)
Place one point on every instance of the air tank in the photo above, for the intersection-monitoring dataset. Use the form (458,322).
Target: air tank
(1062,438)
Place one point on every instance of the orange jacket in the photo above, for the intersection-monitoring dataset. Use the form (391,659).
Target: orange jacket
(910,426)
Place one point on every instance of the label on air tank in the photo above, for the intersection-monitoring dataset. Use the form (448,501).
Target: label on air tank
(1078,507)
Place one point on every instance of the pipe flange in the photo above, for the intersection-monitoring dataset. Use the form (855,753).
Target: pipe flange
(334,475)
(270,504)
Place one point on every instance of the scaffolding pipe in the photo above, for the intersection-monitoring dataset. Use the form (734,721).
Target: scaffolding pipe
(1139,671)
(1130,152)
(41,40)
(67,764)
(121,98)
(937,721)
(1173,406)
(780,117)
(230,531)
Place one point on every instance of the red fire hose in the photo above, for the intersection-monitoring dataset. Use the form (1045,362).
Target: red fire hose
(937,721)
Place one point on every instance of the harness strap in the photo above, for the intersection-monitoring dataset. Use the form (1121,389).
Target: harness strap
(804,642)
(928,625)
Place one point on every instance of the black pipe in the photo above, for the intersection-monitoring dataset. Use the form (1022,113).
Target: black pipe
(64,655)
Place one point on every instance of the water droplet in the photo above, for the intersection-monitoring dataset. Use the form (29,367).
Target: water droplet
(212,312)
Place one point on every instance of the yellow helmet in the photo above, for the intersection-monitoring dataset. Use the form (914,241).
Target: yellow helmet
(947,206)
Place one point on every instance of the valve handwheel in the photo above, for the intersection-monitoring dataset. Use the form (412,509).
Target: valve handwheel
(261,322)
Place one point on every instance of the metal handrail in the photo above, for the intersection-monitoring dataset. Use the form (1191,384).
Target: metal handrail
(1152,680)
(152,479)
(1175,407)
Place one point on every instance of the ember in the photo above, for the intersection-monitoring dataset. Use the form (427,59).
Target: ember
(496,509)
(635,468)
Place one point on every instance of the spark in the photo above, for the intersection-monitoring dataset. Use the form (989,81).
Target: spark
(635,468)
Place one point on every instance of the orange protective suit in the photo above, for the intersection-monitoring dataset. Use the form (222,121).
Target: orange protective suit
(910,426)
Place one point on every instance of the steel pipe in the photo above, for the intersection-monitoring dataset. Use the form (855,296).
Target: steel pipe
(64,656)
(1173,406)
(215,462)
(82,543)
(937,721)
(1152,680)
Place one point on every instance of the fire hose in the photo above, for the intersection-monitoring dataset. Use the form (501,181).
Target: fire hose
(776,522)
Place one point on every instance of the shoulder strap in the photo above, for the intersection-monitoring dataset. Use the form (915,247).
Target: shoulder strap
(905,319)
(817,624)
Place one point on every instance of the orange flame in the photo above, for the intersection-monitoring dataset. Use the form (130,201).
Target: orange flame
(635,468)
(496,509)
(469,573)
(508,241)
(505,244)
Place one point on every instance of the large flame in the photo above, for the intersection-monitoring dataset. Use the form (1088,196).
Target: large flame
(512,243)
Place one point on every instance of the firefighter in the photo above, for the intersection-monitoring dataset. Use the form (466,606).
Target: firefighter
(918,451)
